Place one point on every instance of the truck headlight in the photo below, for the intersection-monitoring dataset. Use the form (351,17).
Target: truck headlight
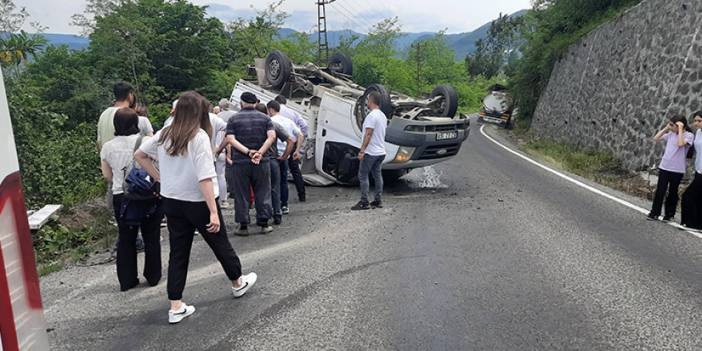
(404,154)
(415,128)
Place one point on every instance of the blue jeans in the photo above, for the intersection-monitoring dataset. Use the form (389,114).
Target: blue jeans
(371,165)
(275,187)
(284,194)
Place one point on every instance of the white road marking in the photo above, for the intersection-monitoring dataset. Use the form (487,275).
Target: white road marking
(581,184)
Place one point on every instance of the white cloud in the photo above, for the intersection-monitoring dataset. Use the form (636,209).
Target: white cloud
(414,15)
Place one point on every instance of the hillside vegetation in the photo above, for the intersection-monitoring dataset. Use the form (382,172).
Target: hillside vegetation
(164,47)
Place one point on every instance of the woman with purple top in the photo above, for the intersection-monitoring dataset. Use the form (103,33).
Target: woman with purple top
(691,204)
(678,139)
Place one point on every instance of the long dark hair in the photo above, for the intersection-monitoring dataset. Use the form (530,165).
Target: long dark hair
(190,116)
(680,118)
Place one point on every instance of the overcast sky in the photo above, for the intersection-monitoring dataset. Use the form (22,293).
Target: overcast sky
(414,15)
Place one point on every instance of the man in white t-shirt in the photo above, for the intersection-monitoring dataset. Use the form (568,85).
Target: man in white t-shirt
(372,154)
(219,127)
(124,97)
(284,150)
(296,158)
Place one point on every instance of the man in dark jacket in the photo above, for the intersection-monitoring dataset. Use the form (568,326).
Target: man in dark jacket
(251,134)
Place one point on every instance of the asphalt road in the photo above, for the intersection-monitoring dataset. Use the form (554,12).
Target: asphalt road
(497,255)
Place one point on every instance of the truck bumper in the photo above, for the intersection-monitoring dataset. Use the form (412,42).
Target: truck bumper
(423,142)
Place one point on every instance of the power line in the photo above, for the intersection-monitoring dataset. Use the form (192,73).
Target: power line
(357,19)
(376,4)
(349,18)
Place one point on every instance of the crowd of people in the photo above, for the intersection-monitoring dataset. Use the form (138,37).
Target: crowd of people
(187,171)
(680,144)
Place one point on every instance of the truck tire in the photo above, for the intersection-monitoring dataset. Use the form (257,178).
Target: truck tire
(449,105)
(278,69)
(340,63)
(361,110)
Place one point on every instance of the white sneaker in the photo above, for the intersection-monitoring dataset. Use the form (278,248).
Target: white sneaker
(177,316)
(248,281)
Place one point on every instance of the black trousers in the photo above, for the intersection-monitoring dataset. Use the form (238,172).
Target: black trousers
(691,210)
(127,252)
(297,177)
(248,175)
(183,218)
(668,183)
(275,187)
(229,176)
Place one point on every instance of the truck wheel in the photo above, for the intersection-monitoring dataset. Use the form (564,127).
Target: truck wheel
(340,63)
(278,69)
(449,104)
(361,110)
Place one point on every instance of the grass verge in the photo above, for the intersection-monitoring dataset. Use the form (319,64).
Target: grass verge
(599,166)
(81,230)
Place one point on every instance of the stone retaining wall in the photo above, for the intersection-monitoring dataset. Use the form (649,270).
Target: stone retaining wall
(614,88)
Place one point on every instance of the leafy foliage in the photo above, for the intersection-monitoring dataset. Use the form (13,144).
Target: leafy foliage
(58,164)
(549,29)
(11,18)
(162,47)
(18,47)
(493,52)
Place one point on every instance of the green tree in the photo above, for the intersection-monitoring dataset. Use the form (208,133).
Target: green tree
(94,9)
(548,30)
(68,85)
(493,52)
(18,47)
(298,47)
(375,58)
(254,38)
(163,47)
(380,41)
(11,18)
(432,61)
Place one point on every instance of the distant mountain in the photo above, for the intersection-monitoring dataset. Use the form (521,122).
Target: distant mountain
(74,42)
(464,43)
(461,43)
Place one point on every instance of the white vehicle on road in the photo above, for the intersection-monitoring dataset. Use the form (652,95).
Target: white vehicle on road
(498,107)
(420,133)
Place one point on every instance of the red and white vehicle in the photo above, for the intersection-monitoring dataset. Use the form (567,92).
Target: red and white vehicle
(22,324)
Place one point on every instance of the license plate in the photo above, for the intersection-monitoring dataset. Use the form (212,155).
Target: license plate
(446,135)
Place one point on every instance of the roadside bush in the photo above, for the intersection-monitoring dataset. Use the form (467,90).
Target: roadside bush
(582,162)
(57,164)
(549,29)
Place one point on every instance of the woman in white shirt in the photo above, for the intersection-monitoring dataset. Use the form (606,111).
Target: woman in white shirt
(117,156)
(691,213)
(189,189)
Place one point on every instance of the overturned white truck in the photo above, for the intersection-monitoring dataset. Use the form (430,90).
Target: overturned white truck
(420,132)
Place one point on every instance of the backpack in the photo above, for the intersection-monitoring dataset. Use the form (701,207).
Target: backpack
(137,184)
(141,193)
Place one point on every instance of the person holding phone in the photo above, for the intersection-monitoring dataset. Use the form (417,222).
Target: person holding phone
(678,139)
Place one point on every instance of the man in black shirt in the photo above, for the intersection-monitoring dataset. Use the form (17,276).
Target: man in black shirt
(251,134)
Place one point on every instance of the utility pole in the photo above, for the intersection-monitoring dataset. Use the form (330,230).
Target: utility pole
(322,43)
(418,53)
